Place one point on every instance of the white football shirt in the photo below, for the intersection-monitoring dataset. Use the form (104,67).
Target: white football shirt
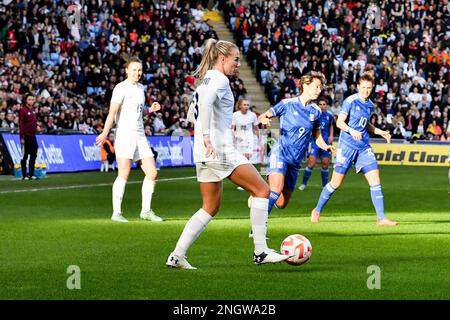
(212,109)
(132,101)
(244,125)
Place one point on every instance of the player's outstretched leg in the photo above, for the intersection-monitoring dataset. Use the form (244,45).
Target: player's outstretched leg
(248,177)
(194,227)
(325,195)
(273,197)
(211,197)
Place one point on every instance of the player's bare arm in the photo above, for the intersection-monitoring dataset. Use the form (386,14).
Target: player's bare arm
(234,132)
(256,131)
(321,142)
(113,109)
(385,134)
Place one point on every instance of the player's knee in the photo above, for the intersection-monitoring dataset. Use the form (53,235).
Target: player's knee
(335,184)
(124,174)
(124,177)
(211,209)
(152,175)
(261,192)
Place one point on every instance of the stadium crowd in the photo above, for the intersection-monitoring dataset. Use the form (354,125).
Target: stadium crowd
(405,42)
(70,54)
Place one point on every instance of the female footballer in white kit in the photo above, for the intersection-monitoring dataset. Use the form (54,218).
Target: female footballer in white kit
(127,105)
(244,127)
(216,158)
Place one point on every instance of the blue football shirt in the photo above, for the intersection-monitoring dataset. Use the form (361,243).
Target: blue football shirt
(296,123)
(358,113)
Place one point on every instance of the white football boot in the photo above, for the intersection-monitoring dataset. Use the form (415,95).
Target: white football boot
(150,215)
(119,218)
(269,256)
(175,261)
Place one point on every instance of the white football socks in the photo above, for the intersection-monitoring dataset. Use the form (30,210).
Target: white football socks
(118,190)
(258,219)
(148,186)
(194,227)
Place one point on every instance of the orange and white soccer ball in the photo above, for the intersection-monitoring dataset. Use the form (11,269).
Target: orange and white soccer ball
(298,247)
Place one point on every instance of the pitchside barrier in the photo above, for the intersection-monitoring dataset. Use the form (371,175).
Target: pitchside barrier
(421,153)
(78,152)
(424,153)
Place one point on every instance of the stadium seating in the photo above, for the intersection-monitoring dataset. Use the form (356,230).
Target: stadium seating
(71,56)
(406,43)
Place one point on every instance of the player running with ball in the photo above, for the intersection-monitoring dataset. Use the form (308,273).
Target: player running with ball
(127,105)
(354,147)
(299,119)
(216,157)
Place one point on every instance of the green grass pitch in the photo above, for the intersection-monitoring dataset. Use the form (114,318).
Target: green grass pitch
(42,232)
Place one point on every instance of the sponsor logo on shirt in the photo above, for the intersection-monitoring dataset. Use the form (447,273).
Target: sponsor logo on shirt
(311,117)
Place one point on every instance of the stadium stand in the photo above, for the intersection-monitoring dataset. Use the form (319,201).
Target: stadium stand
(406,44)
(70,54)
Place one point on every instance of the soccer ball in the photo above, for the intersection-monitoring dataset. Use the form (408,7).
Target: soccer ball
(297,246)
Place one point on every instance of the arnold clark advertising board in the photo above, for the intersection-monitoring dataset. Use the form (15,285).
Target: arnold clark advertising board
(68,153)
(420,154)
(407,154)
(412,154)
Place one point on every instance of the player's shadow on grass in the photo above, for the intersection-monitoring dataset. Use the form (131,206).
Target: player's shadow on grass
(424,221)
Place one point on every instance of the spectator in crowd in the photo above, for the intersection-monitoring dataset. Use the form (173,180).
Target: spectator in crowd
(407,49)
(399,132)
(410,124)
(177,130)
(158,124)
(71,66)
(3,123)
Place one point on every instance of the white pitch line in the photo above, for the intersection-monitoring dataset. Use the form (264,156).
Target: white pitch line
(81,186)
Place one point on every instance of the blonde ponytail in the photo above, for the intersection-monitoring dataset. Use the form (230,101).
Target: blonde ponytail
(213,49)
